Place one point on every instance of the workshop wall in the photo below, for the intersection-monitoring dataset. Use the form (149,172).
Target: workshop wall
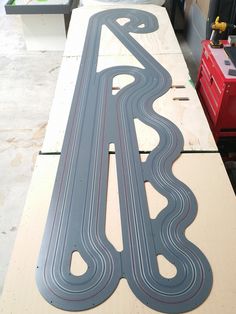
(187,6)
(204,6)
(196,22)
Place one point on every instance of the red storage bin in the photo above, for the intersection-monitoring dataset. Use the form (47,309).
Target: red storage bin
(217,91)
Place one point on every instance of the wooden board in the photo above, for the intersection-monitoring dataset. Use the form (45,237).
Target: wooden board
(161,41)
(188,114)
(108,2)
(214,231)
(35,2)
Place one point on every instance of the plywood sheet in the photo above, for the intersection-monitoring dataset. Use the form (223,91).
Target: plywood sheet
(214,231)
(107,2)
(161,41)
(181,104)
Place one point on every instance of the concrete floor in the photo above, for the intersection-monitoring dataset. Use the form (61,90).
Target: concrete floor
(27,83)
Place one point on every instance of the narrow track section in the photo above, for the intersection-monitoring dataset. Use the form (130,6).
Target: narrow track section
(77,214)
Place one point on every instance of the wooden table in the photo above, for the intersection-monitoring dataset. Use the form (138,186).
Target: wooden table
(181,104)
(44,23)
(213,231)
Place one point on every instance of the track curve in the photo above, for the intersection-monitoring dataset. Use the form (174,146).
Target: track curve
(77,213)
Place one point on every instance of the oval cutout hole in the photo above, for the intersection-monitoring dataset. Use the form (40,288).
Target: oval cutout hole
(78,266)
(156,201)
(167,269)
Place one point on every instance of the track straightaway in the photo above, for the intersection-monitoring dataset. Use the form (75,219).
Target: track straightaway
(77,214)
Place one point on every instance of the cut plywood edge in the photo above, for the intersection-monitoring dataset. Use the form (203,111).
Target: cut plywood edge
(61,105)
(104,2)
(187,115)
(213,231)
(161,41)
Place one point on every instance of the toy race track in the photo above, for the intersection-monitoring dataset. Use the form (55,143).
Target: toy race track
(77,214)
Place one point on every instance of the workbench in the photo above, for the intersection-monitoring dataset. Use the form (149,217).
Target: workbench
(199,166)
(181,104)
(45,23)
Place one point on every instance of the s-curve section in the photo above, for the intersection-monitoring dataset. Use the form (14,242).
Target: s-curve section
(77,213)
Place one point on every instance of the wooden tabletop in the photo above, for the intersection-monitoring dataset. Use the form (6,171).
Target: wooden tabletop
(213,231)
(180,104)
(162,41)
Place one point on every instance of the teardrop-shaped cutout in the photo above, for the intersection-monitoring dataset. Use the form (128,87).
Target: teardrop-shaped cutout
(78,266)
(141,26)
(156,201)
(120,81)
(122,21)
(167,269)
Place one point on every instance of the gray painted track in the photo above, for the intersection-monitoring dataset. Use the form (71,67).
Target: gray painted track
(77,214)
